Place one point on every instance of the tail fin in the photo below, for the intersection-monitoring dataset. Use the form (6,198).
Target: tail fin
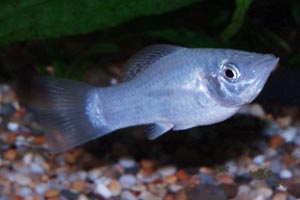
(60,106)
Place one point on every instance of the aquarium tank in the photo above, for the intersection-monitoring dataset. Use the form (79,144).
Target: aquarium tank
(150,100)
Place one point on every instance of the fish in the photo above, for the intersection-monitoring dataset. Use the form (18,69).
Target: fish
(165,87)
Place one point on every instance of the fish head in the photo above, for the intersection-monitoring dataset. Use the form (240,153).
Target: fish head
(237,77)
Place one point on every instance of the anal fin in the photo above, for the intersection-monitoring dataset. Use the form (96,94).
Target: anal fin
(153,131)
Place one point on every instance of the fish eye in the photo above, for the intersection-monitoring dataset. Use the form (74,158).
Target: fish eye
(230,72)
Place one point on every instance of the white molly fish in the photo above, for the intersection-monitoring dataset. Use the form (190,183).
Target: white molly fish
(165,88)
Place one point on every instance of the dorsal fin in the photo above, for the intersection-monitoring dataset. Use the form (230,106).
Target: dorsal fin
(145,57)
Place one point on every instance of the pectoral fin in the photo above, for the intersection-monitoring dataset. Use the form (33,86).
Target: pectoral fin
(153,131)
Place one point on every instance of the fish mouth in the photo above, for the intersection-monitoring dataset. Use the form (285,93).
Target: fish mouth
(269,62)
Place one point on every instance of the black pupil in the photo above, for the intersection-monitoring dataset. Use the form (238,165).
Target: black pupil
(229,73)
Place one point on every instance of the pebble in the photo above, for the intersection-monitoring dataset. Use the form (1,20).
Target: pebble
(127,163)
(126,195)
(276,141)
(182,175)
(10,154)
(280,196)
(24,191)
(42,188)
(103,190)
(94,174)
(261,193)
(36,168)
(148,178)
(115,187)
(82,197)
(206,178)
(69,194)
(175,188)
(13,126)
(230,190)
(285,174)
(259,160)
(78,185)
(52,193)
(22,179)
(289,134)
(205,192)
(167,171)
(294,190)
(127,180)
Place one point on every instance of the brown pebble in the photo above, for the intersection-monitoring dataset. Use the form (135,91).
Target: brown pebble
(18,198)
(10,154)
(230,190)
(294,190)
(280,196)
(169,197)
(52,193)
(78,185)
(11,138)
(182,175)
(181,195)
(148,167)
(224,179)
(115,187)
(71,159)
(19,114)
(170,179)
(289,159)
(276,141)
(40,139)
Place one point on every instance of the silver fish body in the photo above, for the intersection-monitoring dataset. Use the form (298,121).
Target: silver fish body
(165,88)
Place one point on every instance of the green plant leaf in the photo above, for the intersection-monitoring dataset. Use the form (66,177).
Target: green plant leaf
(39,19)
(241,7)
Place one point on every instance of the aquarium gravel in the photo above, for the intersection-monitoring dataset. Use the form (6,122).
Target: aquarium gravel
(28,171)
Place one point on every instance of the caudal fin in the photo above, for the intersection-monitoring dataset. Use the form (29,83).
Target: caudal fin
(60,106)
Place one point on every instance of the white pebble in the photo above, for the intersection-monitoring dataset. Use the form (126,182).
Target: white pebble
(232,168)
(261,194)
(148,179)
(12,126)
(82,197)
(138,188)
(36,168)
(126,195)
(82,175)
(289,134)
(20,141)
(27,158)
(167,171)
(175,188)
(127,180)
(145,195)
(22,180)
(103,190)
(42,188)
(296,153)
(285,174)
(94,174)
(244,189)
(25,191)
(127,163)
(259,159)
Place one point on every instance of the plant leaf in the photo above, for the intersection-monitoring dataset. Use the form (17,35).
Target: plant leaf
(241,7)
(40,19)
